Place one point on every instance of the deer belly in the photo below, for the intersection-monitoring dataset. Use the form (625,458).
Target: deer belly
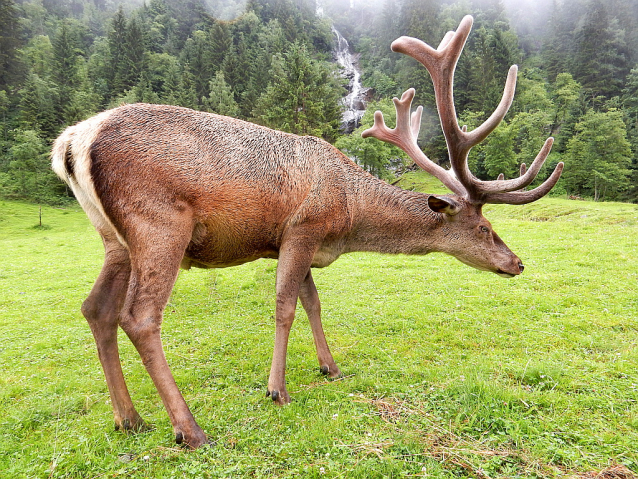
(223,247)
(325,256)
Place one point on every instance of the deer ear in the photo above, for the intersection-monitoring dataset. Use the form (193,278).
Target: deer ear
(442,204)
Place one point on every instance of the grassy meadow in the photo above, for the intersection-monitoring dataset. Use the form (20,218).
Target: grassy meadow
(449,372)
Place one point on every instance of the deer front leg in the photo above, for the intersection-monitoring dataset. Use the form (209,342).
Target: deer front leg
(311,304)
(293,266)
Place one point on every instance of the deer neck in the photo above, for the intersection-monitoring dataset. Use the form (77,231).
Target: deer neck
(387,219)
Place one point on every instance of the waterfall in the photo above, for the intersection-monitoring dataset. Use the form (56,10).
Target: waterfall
(354,101)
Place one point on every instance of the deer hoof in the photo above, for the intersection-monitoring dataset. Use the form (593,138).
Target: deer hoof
(193,441)
(331,372)
(132,425)
(279,397)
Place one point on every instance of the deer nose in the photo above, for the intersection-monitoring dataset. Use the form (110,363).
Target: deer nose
(521,266)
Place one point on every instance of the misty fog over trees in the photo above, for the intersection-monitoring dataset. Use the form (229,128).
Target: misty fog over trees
(270,62)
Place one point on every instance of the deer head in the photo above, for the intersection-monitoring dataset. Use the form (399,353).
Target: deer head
(471,238)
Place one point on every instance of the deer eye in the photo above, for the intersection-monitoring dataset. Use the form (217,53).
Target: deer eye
(484,229)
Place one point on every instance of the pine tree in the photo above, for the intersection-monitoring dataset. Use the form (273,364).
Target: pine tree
(4,124)
(303,96)
(231,67)
(196,56)
(566,92)
(630,109)
(558,46)
(419,19)
(187,96)
(270,42)
(143,90)
(499,152)
(220,42)
(221,99)
(134,58)
(387,25)
(29,173)
(163,72)
(117,40)
(601,60)
(491,57)
(65,61)
(9,42)
(38,100)
(38,56)
(530,129)
(162,26)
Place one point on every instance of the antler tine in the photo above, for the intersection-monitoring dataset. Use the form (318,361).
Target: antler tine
(446,39)
(524,197)
(477,135)
(527,175)
(416,121)
(404,118)
(450,47)
(404,136)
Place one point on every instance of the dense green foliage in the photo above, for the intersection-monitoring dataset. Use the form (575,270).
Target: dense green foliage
(449,372)
(575,76)
(269,61)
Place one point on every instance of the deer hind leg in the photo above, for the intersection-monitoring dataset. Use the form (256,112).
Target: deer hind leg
(101,309)
(155,264)
(311,304)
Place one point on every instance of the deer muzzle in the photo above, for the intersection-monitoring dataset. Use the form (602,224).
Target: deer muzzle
(511,273)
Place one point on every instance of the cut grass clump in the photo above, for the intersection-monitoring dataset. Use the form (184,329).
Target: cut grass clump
(540,378)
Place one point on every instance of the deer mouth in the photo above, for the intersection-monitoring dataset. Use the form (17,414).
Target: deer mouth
(480,267)
(504,274)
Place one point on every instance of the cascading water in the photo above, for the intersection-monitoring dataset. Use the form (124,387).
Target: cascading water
(354,102)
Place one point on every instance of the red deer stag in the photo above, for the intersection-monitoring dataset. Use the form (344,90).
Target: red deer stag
(166,186)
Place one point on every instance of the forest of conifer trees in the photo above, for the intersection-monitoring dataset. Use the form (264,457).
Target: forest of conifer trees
(270,62)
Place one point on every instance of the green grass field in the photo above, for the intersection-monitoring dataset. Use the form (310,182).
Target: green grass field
(449,372)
